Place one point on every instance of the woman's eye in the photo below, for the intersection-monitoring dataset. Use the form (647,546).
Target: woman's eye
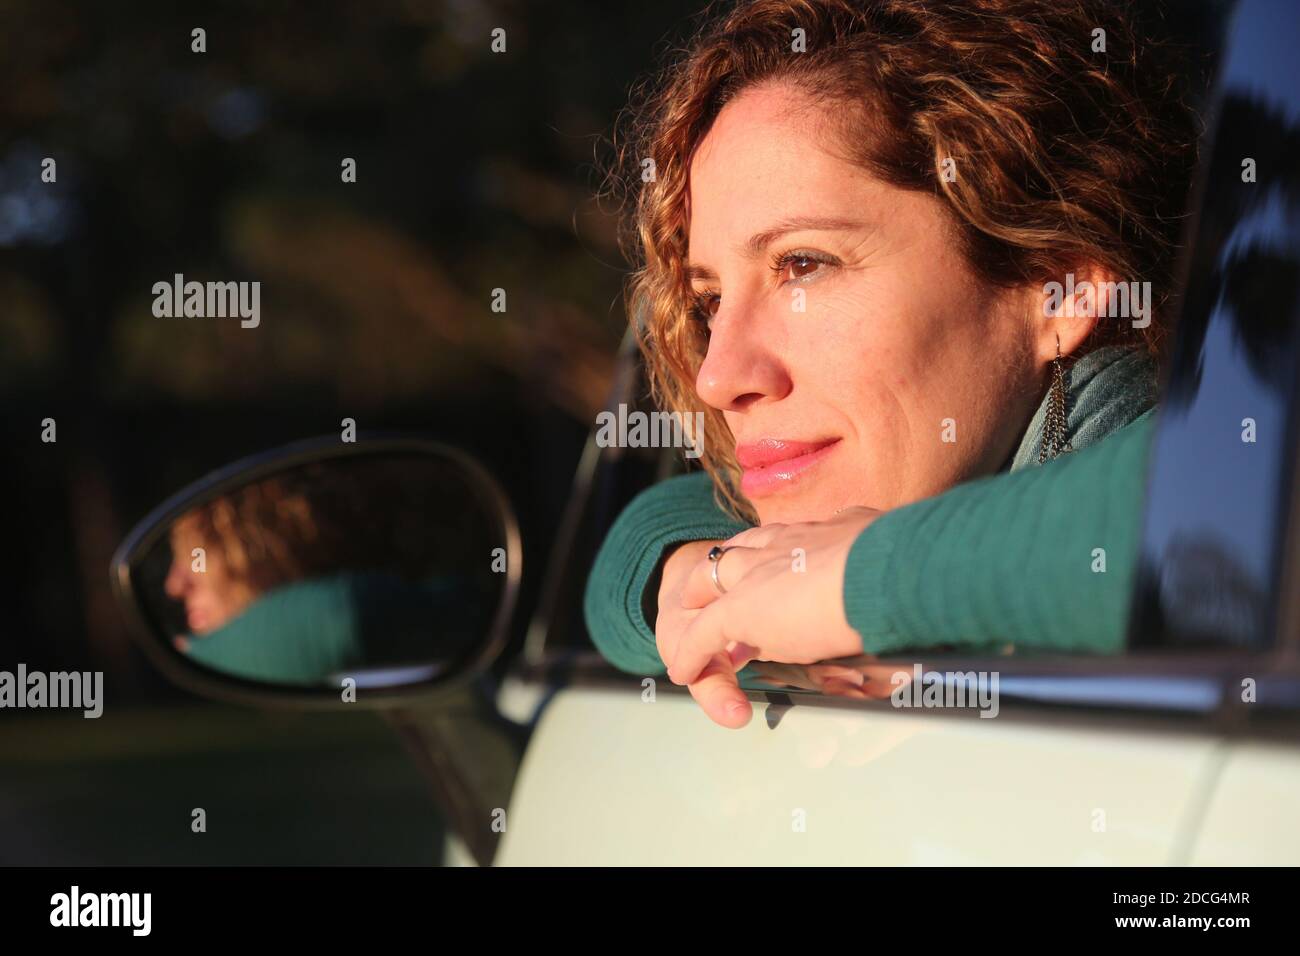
(706,305)
(802,266)
(795,266)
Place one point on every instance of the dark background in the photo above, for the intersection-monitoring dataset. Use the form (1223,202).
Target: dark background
(474,171)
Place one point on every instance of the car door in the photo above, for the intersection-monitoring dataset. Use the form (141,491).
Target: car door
(611,778)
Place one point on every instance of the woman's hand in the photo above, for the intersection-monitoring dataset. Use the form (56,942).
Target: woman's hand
(715,688)
(784,602)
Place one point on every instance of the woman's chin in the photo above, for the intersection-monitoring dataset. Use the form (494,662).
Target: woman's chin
(201,623)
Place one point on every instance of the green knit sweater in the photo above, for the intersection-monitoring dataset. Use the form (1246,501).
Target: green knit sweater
(1039,557)
(313,631)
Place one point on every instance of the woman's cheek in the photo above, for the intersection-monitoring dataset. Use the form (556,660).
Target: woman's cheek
(842,315)
(882,461)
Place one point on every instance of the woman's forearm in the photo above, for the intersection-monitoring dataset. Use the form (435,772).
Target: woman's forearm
(1042,558)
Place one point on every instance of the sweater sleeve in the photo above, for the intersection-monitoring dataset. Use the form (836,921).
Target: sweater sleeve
(1042,558)
(667,514)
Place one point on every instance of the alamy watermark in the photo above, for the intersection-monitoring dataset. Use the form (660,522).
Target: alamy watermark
(75,908)
(77,690)
(1126,300)
(208,300)
(925,689)
(637,429)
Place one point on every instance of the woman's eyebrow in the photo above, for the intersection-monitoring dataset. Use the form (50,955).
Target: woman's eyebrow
(759,241)
(755,244)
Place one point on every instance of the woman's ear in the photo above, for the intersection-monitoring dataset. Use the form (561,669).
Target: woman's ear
(1071,307)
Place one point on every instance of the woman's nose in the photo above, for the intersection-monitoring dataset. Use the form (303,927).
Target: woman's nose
(739,370)
(177,581)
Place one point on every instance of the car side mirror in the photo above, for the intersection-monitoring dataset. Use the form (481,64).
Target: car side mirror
(322,573)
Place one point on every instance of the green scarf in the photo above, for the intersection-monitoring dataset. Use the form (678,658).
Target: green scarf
(1105,390)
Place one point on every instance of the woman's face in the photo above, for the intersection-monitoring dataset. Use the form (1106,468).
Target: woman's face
(211,596)
(857,358)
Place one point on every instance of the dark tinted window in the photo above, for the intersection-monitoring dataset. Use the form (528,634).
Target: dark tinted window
(1222,470)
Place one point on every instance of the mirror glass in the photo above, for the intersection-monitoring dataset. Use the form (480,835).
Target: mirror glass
(385,568)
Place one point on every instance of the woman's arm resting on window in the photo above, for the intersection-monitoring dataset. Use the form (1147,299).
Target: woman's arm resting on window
(1041,558)
(655,522)
(1015,558)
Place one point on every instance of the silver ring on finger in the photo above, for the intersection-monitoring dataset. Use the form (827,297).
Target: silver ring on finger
(715,558)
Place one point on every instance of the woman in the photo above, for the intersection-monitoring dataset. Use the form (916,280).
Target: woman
(229,551)
(892,247)
(303,578)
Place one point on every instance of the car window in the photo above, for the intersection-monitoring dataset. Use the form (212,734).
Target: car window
(1223,463)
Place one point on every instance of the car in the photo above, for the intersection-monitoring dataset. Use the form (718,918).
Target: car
(1185,749)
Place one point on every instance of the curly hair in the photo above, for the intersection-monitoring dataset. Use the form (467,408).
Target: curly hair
(268,534)
(323,519)
(1064,156)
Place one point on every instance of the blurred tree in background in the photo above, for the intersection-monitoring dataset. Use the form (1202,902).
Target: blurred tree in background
(475,172)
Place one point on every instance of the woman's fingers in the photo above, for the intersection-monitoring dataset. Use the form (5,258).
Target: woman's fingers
(759,537)
(669,627)
(700,591)
(741,654)
(834,687)
(703,639)
(718,693)
(840,672)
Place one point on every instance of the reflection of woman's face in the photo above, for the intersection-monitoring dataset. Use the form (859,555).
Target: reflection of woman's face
(211,596)
(896,336)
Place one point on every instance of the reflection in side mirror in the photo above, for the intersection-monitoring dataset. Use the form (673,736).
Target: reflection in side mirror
(380,565)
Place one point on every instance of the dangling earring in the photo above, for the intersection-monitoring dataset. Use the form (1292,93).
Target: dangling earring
(1054,424)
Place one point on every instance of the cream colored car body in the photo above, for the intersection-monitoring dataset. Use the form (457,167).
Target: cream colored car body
(611,778)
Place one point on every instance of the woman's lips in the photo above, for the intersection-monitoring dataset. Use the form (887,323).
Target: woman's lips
(773,463)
